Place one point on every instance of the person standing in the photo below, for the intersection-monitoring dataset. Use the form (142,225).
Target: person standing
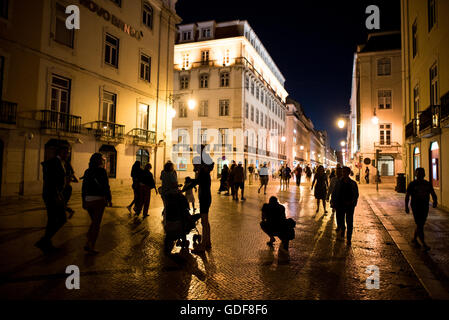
(145,186)
(336,176)
(189,193)
(281,176)
(136,172)
(344,199)
(263,176)
(287,174)
(169,180)
(231,179)
(96,194)
(239,182)
(321,185)
(67,192)
(298,173)
(251,173)
(224,186)
(54,176)
(420,191)
(367,175)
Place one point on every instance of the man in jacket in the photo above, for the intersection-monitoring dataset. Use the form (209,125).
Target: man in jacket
(239,181)
(54,176)
(344,200)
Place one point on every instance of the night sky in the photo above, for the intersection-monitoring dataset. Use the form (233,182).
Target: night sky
(312,43)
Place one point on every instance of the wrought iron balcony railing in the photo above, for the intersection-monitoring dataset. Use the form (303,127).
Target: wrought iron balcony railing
(107,130)
(412,129)
(430,118)
(143,136)
(8,112)
(445,106)
(58,121)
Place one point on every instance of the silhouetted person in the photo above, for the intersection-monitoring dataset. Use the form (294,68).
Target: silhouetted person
(136,172)
(145,186)
(264,177)
(274,223)
(96,195)
(239,181)
(308,173)
(367,175)
(286,175)
(321,184)
(337,174)
(251,173)
(169,179)
(224,185)
(189,193)
(54,176)
(420,191)
(231,179)
(344,200)
(67,192)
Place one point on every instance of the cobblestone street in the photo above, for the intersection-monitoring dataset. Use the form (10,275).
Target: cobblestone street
(131,264)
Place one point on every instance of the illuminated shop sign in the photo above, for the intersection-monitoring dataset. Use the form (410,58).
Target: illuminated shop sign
(106,15)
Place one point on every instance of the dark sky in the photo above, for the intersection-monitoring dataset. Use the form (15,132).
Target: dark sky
(311,41)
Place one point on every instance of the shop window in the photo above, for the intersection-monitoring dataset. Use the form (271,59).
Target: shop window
(435,164)
(416,159)
(110,155)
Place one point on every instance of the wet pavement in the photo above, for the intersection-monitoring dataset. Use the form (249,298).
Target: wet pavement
(131,264)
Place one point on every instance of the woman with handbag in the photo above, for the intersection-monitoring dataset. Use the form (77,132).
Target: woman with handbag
(96,194)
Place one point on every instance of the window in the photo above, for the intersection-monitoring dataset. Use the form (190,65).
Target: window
(203,135)
(62,34)
(147,17)
(384,99)
(117,2)
(143,116)
(257,116)
(204,81)
(205,57)
(184,82)
(385,134)
(434,85)
(204,109)
(415,38)
(257,92)
(416,101)
(109,105)
(110,155)
(432,13)
(111,49)
(60,94)
(145,67)
(226,57)
(182,110)
(252,87)
(252,113)
(186,61)
(224,79)
(247,111)
(384,67)
(4,9)
(224,108)
(143,156)
(247,83)
(205,33)
(186,35)
(416,159)
(435,164)
(223,136)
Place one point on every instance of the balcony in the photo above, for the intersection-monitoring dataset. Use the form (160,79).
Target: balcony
(429,122)
(106,131)
(58,121)
(411,131)
(8,112)
(393,147)
(142,136)
(445,109)
(223,148)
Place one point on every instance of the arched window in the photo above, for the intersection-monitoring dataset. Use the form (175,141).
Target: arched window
(143,156)
(435,164)
(110,154)
(416,159)
(147,17)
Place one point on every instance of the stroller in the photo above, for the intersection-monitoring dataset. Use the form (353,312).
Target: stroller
(178,222)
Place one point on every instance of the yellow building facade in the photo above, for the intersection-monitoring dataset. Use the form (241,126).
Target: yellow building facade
(104,87)
(425,59)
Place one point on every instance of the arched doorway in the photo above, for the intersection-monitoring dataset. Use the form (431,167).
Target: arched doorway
(143,156)
(110,155)
(435,164)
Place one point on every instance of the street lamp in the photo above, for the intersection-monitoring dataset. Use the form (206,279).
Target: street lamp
(191,103)
(172,113)
(283,139)
(301,147)
(341,123)
(375,119)
(343,144)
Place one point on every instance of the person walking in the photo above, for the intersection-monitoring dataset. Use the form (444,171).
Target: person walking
(420,191)
(274,223)
(146,184)
(308,173)
(281,176)
(54,176)
(239,182)
(96,194)
(224,184)
(367,175)
(321,184)
(67,192)
(251,174)
(231,179)
(286,175)
(344,199)
(263,176)
(136,172)
(298,173)
(335,177)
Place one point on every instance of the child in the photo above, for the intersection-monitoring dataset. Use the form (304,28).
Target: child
(189,193)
